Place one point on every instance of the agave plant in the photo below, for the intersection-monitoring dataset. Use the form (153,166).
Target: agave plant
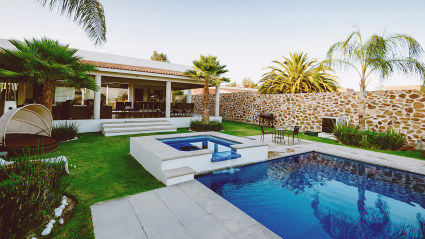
(298,74)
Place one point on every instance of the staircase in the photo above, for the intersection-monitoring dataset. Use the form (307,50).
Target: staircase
(178,175)
(136,127)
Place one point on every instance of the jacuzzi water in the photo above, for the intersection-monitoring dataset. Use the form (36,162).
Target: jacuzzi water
(220,147)
(320,196)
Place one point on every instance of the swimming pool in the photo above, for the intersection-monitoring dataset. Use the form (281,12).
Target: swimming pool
(220,147)
(321,196)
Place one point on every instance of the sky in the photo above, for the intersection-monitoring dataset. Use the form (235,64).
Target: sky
(245,35)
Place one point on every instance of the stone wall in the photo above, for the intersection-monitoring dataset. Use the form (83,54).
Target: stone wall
(403,111)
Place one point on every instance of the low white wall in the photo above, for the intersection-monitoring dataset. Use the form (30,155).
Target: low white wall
(147,159)
(94,125)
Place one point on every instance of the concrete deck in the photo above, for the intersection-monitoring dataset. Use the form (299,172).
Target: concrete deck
(280,150)
(191,210)
(186,210)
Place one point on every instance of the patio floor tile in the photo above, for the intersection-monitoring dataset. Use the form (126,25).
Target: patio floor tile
(175,233)
(182,206)
(208,199)
(209,228)
(153,214)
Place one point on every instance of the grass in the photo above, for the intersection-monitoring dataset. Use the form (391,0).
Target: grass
(105,170)
(245,129)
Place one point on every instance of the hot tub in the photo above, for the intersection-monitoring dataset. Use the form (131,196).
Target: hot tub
(176,158)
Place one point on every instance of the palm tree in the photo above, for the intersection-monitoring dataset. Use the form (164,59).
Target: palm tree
(156,56)
(87,13)
(381,54)
(208,70)
(47,63)
(246,81)
(298,74)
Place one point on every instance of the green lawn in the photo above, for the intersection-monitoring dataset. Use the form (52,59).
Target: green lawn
(105,170)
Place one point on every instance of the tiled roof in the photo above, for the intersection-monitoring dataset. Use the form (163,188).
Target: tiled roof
(133,68)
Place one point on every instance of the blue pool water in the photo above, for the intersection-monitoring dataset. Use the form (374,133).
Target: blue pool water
(220,147)
(320,196)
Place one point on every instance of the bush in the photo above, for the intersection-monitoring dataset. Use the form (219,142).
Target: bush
(65,131)
(309,133)
(349,134)
(199,126)
(29,193)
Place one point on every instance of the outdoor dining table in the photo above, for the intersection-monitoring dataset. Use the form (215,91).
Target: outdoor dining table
(279,133)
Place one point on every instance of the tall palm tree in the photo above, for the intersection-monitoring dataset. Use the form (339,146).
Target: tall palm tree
(156,56)
(47,63)
(87,13)
(246,81)
(298,74)
(208,70)
(381,54)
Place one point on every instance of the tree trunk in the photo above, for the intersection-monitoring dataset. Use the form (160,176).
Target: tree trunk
(362,106)
(206,104)
(47,94)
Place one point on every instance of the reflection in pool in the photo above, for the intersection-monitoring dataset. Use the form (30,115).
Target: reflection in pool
(320,196)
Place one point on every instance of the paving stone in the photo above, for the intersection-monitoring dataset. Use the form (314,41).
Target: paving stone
(112,211)
(204,196)
(152,213)
(182,206)
(256,231)
(233,218)
(129,228)
(208,228)
(175,233)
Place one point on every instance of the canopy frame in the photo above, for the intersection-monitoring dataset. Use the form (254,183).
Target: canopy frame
(37,120)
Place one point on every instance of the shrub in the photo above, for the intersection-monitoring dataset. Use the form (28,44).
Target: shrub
(29,193)
(309,133)
(65,131)
(199,126)
(349,134)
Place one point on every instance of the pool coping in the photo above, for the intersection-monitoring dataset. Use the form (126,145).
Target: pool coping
(396,162)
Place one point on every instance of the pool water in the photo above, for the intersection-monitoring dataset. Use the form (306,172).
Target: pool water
(320,196)
(220,147)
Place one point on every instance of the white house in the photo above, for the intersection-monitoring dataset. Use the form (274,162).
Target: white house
(134,89)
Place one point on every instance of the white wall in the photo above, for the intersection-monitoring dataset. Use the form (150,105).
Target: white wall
(94,125)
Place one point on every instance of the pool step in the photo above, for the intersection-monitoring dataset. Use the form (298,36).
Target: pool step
(178,175)
(136,127)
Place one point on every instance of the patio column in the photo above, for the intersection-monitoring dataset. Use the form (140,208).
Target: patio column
(131,93)
(217,100)
(168,99)
(96,106)
(189,96)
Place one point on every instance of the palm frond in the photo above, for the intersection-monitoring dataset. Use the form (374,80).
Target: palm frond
(298,74)
(87,13)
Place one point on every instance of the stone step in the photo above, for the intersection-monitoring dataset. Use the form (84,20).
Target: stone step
(131,129)
(138,129)
(178,175)
(150,121)
(137,125)
(145,131)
